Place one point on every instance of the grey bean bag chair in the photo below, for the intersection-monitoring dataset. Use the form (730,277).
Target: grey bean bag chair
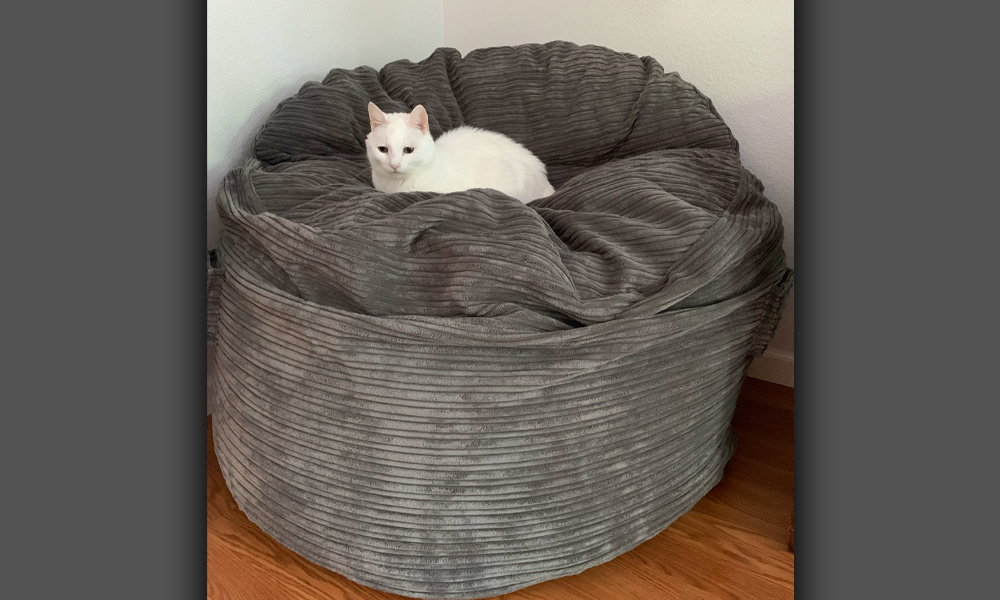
(459,395)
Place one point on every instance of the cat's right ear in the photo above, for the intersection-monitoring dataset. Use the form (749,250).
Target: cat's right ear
(418,118)
(376,116)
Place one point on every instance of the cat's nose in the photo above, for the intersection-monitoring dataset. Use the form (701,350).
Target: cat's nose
(394,167)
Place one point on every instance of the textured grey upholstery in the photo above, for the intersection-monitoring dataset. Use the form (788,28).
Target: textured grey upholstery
(459,395)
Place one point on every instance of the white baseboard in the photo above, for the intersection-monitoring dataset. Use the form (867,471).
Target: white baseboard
(775,366)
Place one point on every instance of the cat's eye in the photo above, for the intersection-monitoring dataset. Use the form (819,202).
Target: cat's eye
(407,150)
(383,149)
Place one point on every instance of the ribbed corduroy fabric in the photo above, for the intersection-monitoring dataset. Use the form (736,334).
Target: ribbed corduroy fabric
(458,395)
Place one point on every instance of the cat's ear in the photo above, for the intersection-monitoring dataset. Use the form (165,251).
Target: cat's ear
(418,119)
(376,116)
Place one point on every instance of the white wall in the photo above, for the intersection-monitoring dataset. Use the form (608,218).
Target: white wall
(740,54)
(261,51)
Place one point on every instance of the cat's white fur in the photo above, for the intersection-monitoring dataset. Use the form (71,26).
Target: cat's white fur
(460,159)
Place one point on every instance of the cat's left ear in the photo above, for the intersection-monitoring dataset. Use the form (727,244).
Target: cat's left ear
(418,119)
(375,116)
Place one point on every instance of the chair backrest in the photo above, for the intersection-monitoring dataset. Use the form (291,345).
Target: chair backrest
(575,107)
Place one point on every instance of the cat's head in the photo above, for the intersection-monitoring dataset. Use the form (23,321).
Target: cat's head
(399,143)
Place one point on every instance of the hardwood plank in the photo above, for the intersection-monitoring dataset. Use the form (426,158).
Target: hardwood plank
(764,424)
(641,574)
(244,563)
(768,394)
(753,496)
(723,560)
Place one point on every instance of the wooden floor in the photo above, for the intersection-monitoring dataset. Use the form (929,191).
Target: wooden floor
(732,544)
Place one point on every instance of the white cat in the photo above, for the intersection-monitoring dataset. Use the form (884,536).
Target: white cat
(405,158)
